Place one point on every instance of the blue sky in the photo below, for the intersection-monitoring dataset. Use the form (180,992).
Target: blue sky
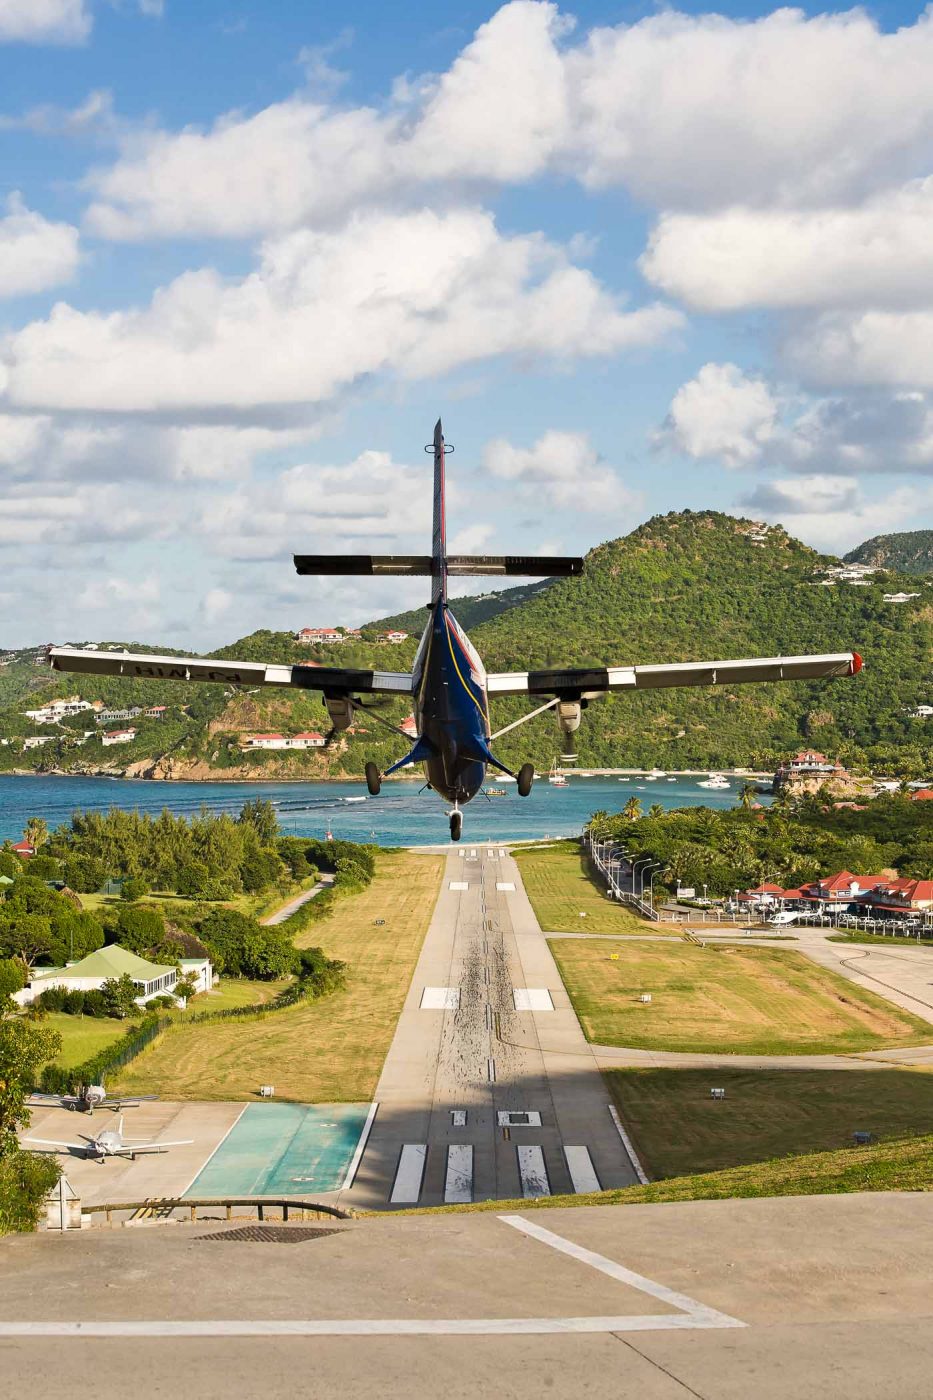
(639,259)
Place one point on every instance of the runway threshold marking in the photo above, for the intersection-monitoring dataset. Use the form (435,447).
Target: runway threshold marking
(582,1172)
(533,1172)
(690,1315)
(458,1185)
(409,1174)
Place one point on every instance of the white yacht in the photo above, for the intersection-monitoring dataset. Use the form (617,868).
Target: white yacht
(715,780)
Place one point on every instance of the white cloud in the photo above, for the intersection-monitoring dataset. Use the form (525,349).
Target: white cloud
(879,252)
(637,105)
(95,113)
(44,21)
(217,603)
(831,513)
(871,348)
(415,294)
(34,252)
(561,469)
(723,414)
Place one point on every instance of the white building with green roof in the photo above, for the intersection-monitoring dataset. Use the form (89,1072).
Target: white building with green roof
(90,973)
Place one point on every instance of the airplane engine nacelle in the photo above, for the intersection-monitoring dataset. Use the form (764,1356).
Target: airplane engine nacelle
(340,710)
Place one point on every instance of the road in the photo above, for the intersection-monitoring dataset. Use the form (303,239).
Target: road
(481,1056)
(815,1298)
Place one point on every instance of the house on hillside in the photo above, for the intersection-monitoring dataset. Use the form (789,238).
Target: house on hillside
(308,740)
(317,636)
(393,638)
(117,736)
(899,597)
(265,741)
(35,741)
(810,768)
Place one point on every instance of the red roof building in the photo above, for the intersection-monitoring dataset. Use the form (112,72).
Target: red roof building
(922,795)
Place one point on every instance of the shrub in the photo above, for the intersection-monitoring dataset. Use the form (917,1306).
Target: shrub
(12,976)
(25,1181)
(119,994)
(134,887)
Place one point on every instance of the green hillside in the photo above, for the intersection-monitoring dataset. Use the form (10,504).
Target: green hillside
(908,551)
(683,586)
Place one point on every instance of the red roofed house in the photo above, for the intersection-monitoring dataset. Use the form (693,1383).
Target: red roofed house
(903,895)
(762,894)
(308,740)
(409,726)
(24,848)
(314,636)
(266,741)
(922,795)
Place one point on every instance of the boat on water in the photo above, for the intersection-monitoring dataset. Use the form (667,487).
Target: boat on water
(494,792)
(556,777)
(354,799)
(715,780)
(624,780)
(657,773)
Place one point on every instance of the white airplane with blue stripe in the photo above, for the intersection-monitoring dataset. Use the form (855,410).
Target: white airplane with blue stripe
(448,686)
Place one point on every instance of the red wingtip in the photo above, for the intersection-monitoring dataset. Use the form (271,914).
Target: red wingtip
(857,663)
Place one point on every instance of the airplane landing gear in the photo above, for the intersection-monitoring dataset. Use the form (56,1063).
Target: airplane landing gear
(456,824)
(525,778)
(373,779)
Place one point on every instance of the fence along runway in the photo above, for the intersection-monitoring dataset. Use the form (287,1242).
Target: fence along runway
(478,1055)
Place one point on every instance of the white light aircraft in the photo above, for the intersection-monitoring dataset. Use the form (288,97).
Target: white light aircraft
(89,1097)
(109,1143)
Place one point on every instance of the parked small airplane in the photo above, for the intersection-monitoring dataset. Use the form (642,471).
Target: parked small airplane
(109,1143)
(448,685)
(89,1097)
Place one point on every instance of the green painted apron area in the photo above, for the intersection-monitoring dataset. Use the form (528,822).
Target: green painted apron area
(284,1149)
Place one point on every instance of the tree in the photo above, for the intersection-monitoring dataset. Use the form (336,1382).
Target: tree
(12,977)
(260,814)
(138,929)
(133,888)
(655,810)
(25,1047)
(36,832)
(119,994)
(749,796)
(632,809)
(245,947)
(10,864)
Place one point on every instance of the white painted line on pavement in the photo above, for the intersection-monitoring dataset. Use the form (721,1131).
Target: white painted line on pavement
(505,885)
(360,1148)
(458,1186)
(502,850)
(532,999)
(698,1312)
(488,1017)
(582,1172)
(533,1173)
(629,1146)
(458,1117)
(370,1327)
(408,1176)
(458,885)
(440,999)
(491,1070)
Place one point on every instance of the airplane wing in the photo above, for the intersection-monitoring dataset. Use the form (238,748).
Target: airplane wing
(56,1100)
(588,682)
(55,1146)
(335,680)
(137,1147)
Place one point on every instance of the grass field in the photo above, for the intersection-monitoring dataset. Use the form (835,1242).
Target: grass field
(903,1164)
(83,1036)
(678,1129)
(560,889)
(891,941)
(331,1050)
(257,904)
(725,998)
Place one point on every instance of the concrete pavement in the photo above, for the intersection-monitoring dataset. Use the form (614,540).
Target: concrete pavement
(481,1056)
(816,1298)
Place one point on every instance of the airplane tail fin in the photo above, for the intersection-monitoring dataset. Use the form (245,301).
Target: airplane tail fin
(439,545)
(439,565)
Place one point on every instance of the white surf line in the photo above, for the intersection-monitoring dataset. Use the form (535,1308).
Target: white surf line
(371,1327)
(215,1151)
(582,1172)
(629,1146)
(458,1185)
(533,1173)
(409,1174)
(700,1313)
(357,1157)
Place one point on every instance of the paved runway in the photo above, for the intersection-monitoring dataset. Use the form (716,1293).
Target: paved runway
(814,1298)
(462,1046)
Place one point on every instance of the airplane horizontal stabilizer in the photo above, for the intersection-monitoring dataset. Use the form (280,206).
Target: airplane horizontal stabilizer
(421,565)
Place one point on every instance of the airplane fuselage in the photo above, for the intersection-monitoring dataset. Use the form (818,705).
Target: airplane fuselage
(451,707)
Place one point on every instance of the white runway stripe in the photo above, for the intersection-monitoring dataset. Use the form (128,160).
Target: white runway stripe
(360,1148)
(582,1172)
(408,1176)
(533,1173)
(458,1187)
(367,1327)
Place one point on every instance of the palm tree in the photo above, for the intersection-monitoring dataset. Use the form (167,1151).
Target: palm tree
(655,810)
(749,796)
(36,832)
(632,809)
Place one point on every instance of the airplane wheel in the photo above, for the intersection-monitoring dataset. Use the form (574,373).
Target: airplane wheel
(456,825)
(525,778)
(373,779)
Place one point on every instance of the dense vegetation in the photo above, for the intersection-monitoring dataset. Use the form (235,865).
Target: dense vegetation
(784,844)
(25,1180)
(908,551)
(684,586)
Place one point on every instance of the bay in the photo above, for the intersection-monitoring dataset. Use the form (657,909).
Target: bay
(399,816)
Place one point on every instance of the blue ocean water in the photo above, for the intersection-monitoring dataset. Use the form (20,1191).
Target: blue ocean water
(399,816)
